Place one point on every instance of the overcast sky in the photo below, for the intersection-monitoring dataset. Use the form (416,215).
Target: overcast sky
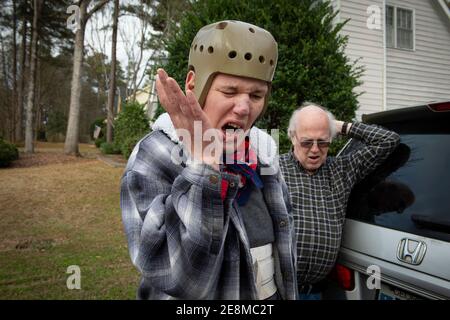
(127,38)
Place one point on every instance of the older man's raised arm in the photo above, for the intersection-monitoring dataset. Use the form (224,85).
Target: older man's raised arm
(378,144)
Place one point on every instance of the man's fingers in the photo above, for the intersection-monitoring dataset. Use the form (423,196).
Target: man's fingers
(161,84)
(162,95)
(178,97)
(160,88)
(194,107)
(182,108)
(165,89)
(162,75)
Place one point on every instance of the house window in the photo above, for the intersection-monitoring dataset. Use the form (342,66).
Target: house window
(390,28)
(399,28)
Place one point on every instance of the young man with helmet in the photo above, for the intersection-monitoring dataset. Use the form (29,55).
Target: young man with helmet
(217,224)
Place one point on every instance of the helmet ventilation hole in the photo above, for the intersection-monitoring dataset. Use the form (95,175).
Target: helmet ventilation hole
(222,25)
(271,62)
(248,56)
(261,59)
(201,48)
(195,47)
(210,49)
(232,54)
(251,30)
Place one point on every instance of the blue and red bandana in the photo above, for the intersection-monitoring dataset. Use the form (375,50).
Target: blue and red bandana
(243,163)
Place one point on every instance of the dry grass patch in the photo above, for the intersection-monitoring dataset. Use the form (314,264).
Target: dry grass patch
(61,214)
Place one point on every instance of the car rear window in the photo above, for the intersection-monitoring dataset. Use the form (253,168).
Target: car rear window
(410,191)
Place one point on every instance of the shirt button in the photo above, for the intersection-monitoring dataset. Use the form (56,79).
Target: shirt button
(213,179)
(232,184)
(282,223)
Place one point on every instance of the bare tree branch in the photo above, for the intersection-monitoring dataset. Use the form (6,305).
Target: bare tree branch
(97,7)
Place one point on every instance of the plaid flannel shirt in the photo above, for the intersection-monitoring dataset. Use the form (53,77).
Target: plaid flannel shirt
(319,200)
(185,240)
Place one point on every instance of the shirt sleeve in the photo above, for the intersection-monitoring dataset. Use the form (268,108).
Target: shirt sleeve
(174,222)
(292,221)
(378,144)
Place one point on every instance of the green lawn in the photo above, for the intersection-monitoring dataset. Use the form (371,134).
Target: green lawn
(58,215)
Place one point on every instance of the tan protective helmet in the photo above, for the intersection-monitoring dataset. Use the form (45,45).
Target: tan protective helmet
(235,48)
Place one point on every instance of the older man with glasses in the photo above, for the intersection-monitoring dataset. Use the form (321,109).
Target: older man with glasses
(319,186)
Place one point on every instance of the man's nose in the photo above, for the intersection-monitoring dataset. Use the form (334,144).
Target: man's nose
(242,105)
(315,147)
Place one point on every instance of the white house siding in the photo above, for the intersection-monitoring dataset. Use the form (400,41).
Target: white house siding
(367,45)
(147,97)
(423,75)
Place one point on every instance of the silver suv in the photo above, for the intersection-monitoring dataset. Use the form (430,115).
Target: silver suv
(396,240)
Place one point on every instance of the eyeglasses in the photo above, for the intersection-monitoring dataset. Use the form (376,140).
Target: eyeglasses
(322,144)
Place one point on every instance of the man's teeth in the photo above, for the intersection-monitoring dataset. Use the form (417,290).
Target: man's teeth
(234,126)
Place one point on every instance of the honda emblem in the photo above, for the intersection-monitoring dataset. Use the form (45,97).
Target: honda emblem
(411,251)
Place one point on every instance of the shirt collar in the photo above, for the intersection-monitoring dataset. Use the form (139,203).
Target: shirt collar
(299,165)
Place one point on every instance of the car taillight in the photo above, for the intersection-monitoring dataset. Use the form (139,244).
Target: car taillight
(344,276)
(440,106)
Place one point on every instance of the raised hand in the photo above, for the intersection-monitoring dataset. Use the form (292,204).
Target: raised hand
(192,124)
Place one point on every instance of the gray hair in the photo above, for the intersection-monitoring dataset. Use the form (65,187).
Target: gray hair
(293,123)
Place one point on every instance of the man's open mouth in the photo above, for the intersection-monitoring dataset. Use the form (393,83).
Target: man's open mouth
(231,128)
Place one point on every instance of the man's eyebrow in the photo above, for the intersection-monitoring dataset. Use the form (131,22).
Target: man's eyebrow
(319,139)
(235,88)
(258,90)
(227,87)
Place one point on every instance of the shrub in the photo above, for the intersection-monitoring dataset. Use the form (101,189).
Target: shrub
(109,148)
(99,141)
(8,153)
(127,146)
(131,125)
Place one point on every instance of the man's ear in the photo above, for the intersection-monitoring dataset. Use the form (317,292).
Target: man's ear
(190,81)
(293,139)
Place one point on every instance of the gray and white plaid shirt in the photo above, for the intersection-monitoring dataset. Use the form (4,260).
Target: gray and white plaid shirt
(188,243)
(319,200)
